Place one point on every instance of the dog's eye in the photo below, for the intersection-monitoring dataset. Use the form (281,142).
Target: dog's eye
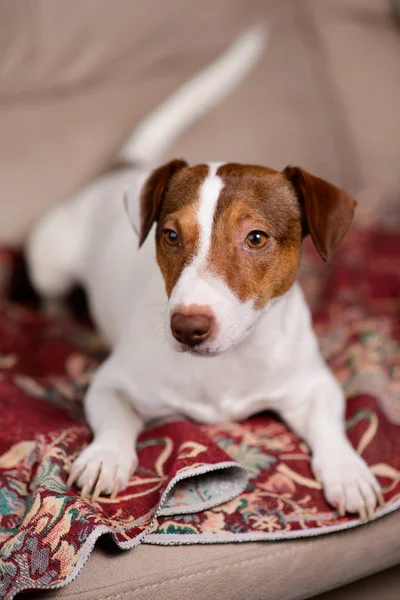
(256,239)
(171,237)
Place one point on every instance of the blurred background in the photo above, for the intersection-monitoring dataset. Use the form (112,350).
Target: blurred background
(76,77)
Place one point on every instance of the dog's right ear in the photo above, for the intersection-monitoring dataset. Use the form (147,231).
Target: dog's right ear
(327,210)
(153,193)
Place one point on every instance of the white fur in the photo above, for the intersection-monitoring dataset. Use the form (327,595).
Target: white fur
(210,191)
(265,359)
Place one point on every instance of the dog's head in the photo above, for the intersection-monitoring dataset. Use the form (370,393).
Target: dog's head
(229,242)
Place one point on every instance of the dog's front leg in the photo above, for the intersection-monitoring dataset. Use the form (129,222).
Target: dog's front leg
(318,417)
(106,465)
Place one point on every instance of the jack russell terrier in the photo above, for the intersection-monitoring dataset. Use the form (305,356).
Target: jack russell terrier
(207,319)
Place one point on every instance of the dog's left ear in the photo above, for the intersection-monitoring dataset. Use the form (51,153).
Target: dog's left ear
(144,213)
(153,194)
(328,211)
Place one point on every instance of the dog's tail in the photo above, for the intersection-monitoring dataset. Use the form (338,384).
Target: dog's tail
(193,99)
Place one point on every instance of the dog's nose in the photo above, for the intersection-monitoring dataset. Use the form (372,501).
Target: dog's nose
(191,330)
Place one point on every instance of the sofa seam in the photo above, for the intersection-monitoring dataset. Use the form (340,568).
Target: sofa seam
(246,561)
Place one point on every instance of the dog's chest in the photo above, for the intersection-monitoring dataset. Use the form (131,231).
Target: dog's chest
(234,385)
(211,393)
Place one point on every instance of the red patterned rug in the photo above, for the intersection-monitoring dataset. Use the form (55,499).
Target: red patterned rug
(233,482)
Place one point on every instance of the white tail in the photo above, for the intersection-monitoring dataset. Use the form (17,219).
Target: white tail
(193,99)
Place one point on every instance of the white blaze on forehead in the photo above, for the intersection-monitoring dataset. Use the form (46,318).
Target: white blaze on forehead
(209,194)
(193,286)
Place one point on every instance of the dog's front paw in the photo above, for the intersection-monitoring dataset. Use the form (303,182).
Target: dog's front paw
(102,469)
(348,483)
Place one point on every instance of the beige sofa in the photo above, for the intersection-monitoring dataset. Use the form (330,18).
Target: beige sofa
(75,78)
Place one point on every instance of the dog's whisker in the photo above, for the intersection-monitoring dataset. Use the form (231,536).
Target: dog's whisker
(160,334)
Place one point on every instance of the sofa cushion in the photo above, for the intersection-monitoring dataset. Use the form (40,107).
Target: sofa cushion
(384,585)
(255,571)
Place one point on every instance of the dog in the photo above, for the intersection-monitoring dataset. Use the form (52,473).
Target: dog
(206,318)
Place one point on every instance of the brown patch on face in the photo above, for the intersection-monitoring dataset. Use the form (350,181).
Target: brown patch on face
(178,212)
(256,198)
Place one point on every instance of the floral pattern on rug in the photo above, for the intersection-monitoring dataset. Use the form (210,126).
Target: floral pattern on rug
(189,487)
(46,529)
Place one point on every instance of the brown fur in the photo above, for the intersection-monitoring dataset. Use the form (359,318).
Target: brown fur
(328,211)
(153,194)
(178,212)
(256,198)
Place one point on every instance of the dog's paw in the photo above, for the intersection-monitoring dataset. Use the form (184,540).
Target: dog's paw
(348,483)
(102,469)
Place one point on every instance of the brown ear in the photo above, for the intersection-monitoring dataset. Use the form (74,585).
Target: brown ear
(153,194)
(328,211)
